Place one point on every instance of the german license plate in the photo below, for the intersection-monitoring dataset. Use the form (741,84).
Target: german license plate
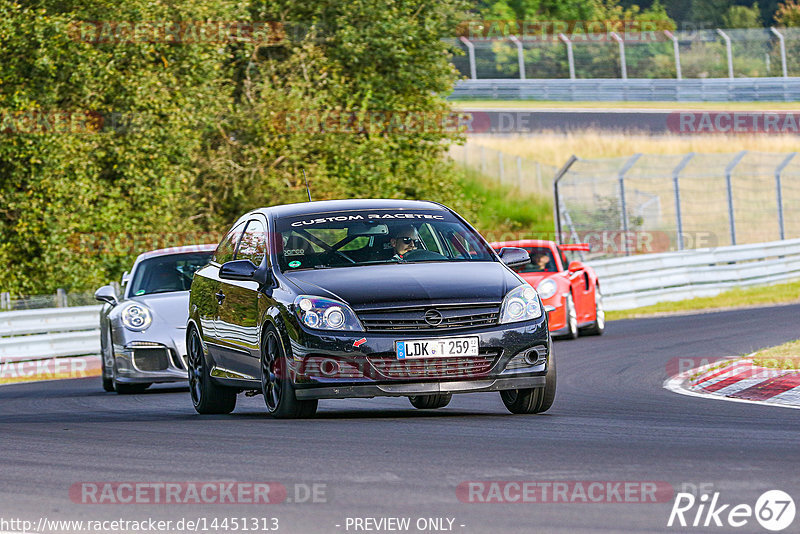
(437,348)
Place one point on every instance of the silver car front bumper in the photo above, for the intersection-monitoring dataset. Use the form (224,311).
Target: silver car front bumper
(150,362)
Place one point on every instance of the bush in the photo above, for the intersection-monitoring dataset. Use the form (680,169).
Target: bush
(207,139)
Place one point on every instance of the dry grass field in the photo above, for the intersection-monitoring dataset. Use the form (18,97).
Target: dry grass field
(555,148)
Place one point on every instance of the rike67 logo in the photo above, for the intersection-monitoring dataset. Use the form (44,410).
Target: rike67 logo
(774,510)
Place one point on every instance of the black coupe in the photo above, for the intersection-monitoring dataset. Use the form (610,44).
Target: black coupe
(364,298)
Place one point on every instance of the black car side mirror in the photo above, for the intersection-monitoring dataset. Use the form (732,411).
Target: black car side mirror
(244,271)
(106,294)
(514,257)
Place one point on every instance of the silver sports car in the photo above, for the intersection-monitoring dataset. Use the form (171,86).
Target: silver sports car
(143,334)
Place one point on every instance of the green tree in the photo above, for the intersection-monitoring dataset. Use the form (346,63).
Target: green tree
(206,135)
(743,17)
(788,14)
(357,57)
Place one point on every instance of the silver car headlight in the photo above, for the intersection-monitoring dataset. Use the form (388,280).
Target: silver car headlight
(325,314)
(136,317)
(521,304)
(547,288)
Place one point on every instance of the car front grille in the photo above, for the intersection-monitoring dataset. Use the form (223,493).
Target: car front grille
(453,317)
(455,367)
(155,359)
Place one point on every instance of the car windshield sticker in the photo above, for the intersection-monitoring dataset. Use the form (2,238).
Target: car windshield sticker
(294,252)
(294,264)
(367,217)
(140,292)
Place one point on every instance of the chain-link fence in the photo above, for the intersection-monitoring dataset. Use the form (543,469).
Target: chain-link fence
(530,177)
(659,54)
(658,203)
(655,203)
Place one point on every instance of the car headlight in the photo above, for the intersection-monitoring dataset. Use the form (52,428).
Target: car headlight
(520,304)
(547,288)
(136,317)
(325,314)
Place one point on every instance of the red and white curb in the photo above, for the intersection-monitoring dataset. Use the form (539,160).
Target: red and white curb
(740,380)
(49,369)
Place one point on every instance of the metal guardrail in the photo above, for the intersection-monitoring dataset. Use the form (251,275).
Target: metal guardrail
(627,282)
(49,333)
(636,281)
(633,89)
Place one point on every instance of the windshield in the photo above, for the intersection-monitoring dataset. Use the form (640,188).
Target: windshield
(542,260)
(163,274)
(346,239)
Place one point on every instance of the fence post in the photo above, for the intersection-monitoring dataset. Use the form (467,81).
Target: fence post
(500,166)
(625,168)
(729,52)
(556,199)
(520,58)
(519,172)
(5,301)
(782,42)
(622,63)
(570,57)
(779,191)
(677,53)
(473,71)
(61,298)
(728,172)
(675,174)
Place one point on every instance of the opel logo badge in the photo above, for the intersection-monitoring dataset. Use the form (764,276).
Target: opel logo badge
(433,317)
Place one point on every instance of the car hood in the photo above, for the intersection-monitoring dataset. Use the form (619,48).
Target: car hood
(409,283)
(171,309)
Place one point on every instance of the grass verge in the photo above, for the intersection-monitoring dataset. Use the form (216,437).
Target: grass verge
(786,356)
(501,212)
(735,298)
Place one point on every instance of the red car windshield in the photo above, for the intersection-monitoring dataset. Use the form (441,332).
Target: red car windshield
(542,260)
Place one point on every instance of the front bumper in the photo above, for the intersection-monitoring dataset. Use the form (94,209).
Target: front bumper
(364,364)
(146,362)
(420,388)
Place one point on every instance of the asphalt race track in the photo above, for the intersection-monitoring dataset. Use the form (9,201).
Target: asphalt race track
(612,421)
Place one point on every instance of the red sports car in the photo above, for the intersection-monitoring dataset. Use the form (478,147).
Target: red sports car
(569,291)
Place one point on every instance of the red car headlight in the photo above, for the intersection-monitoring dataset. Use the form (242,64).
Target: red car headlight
(547,288)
